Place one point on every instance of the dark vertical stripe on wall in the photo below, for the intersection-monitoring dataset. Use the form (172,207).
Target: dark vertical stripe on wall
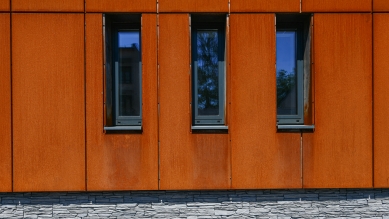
(85,148)
(11,99)
(372,92)
(158,116)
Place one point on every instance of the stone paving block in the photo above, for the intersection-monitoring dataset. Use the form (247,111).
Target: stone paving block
(341,203)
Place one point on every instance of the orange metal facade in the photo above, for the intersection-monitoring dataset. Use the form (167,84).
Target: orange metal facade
(187,160)
(4,5)
(52,99)
(381,105)
(265,6)
(5,105)
(336,6)
(261,157)
(193,6)
(48,102)
(121,161)
(121,6)
(381,5)
(48,5)
(339,152)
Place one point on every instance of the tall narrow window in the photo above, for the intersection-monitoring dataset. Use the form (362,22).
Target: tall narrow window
(127,77)
(291,48)
(208,66)
(289,70)
(124,72)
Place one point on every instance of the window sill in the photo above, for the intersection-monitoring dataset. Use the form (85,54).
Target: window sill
(210,127)
(123,128)
(296,127)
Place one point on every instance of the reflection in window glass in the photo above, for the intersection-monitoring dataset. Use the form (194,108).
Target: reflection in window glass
(207,72)
(286,72)
(129,86)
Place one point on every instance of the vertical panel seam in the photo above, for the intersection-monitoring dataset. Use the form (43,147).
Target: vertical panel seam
(85,111)
(301,159)
(158,111)
(372,93)
(313,72)
(191,116)
(229,90)
(10,95)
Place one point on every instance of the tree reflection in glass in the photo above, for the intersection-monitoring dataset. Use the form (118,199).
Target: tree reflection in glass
(286,72)
(207,72)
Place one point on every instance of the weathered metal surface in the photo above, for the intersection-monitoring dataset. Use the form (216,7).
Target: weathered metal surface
(381,5)
(5,105)
(121,6)
(193,6)
(381,105)
(187,160)
(126,161)
(48,102)
(261,157)
(4,5)
(336,5)
(48,5)
(339,153)
(265,6)
(309,78)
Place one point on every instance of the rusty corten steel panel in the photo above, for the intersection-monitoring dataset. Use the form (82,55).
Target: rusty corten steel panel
(261,157)
(381,105)
(187,160)
(4,5)
(336,5)
(193,6)
(5,106)
(309,85)
(380,5)
(48,5)
(121,5)
(265,6)
(48,102)
(339,152)
(126,161)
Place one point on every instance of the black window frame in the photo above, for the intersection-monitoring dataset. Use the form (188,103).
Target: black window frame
(300,23)
(201,22)
(113,24)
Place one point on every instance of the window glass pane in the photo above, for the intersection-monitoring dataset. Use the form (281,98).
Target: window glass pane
(286,72)
(207,72)
(129,86)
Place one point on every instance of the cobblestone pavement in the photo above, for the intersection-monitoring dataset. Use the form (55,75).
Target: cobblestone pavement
(323,203)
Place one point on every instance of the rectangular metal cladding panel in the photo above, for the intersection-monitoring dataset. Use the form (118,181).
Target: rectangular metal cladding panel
(339,153)
(261,157)
(380,5)
(381,105)
(48,102)
(336,5)
(121,5)
(48,5)
(187,160)
(5,105)
(193,6)
(4,5)
(125,161)
(265,6)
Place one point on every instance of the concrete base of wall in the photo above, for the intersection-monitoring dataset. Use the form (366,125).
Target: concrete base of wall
(324,203)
